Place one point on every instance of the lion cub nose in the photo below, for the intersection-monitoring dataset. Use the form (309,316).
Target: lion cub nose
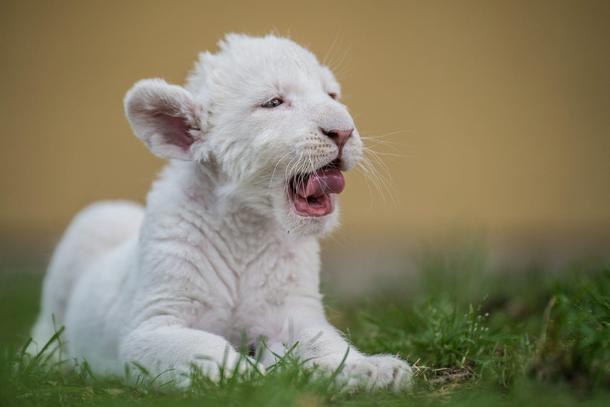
(338,136)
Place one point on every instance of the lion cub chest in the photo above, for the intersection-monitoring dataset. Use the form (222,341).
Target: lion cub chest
(249,297)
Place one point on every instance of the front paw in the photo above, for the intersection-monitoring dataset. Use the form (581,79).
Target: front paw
(233,365)
(392,372)
(367,372)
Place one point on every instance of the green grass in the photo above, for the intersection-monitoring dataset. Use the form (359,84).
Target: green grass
(475,338)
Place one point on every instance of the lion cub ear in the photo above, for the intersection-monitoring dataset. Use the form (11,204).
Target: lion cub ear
(166,118)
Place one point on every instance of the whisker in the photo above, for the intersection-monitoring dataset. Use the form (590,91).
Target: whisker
(275,168)
(381,181)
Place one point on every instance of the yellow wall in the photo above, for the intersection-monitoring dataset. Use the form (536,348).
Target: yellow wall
(493,115)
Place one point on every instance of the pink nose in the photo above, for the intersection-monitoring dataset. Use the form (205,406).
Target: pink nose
(338,136)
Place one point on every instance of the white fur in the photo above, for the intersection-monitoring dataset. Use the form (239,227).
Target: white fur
(218,257)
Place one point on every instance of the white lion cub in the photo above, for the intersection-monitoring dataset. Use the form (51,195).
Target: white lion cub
(226,249)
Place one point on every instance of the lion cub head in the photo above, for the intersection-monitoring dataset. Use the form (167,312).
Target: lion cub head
(269,116)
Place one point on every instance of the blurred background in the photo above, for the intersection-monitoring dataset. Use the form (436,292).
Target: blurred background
(492,119)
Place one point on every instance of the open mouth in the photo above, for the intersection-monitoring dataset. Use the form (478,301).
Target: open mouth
(312,193)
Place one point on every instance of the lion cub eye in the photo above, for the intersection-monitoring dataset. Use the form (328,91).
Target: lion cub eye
(270,104)
(333,95)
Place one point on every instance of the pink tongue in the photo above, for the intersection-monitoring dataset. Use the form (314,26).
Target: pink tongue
(325,181)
